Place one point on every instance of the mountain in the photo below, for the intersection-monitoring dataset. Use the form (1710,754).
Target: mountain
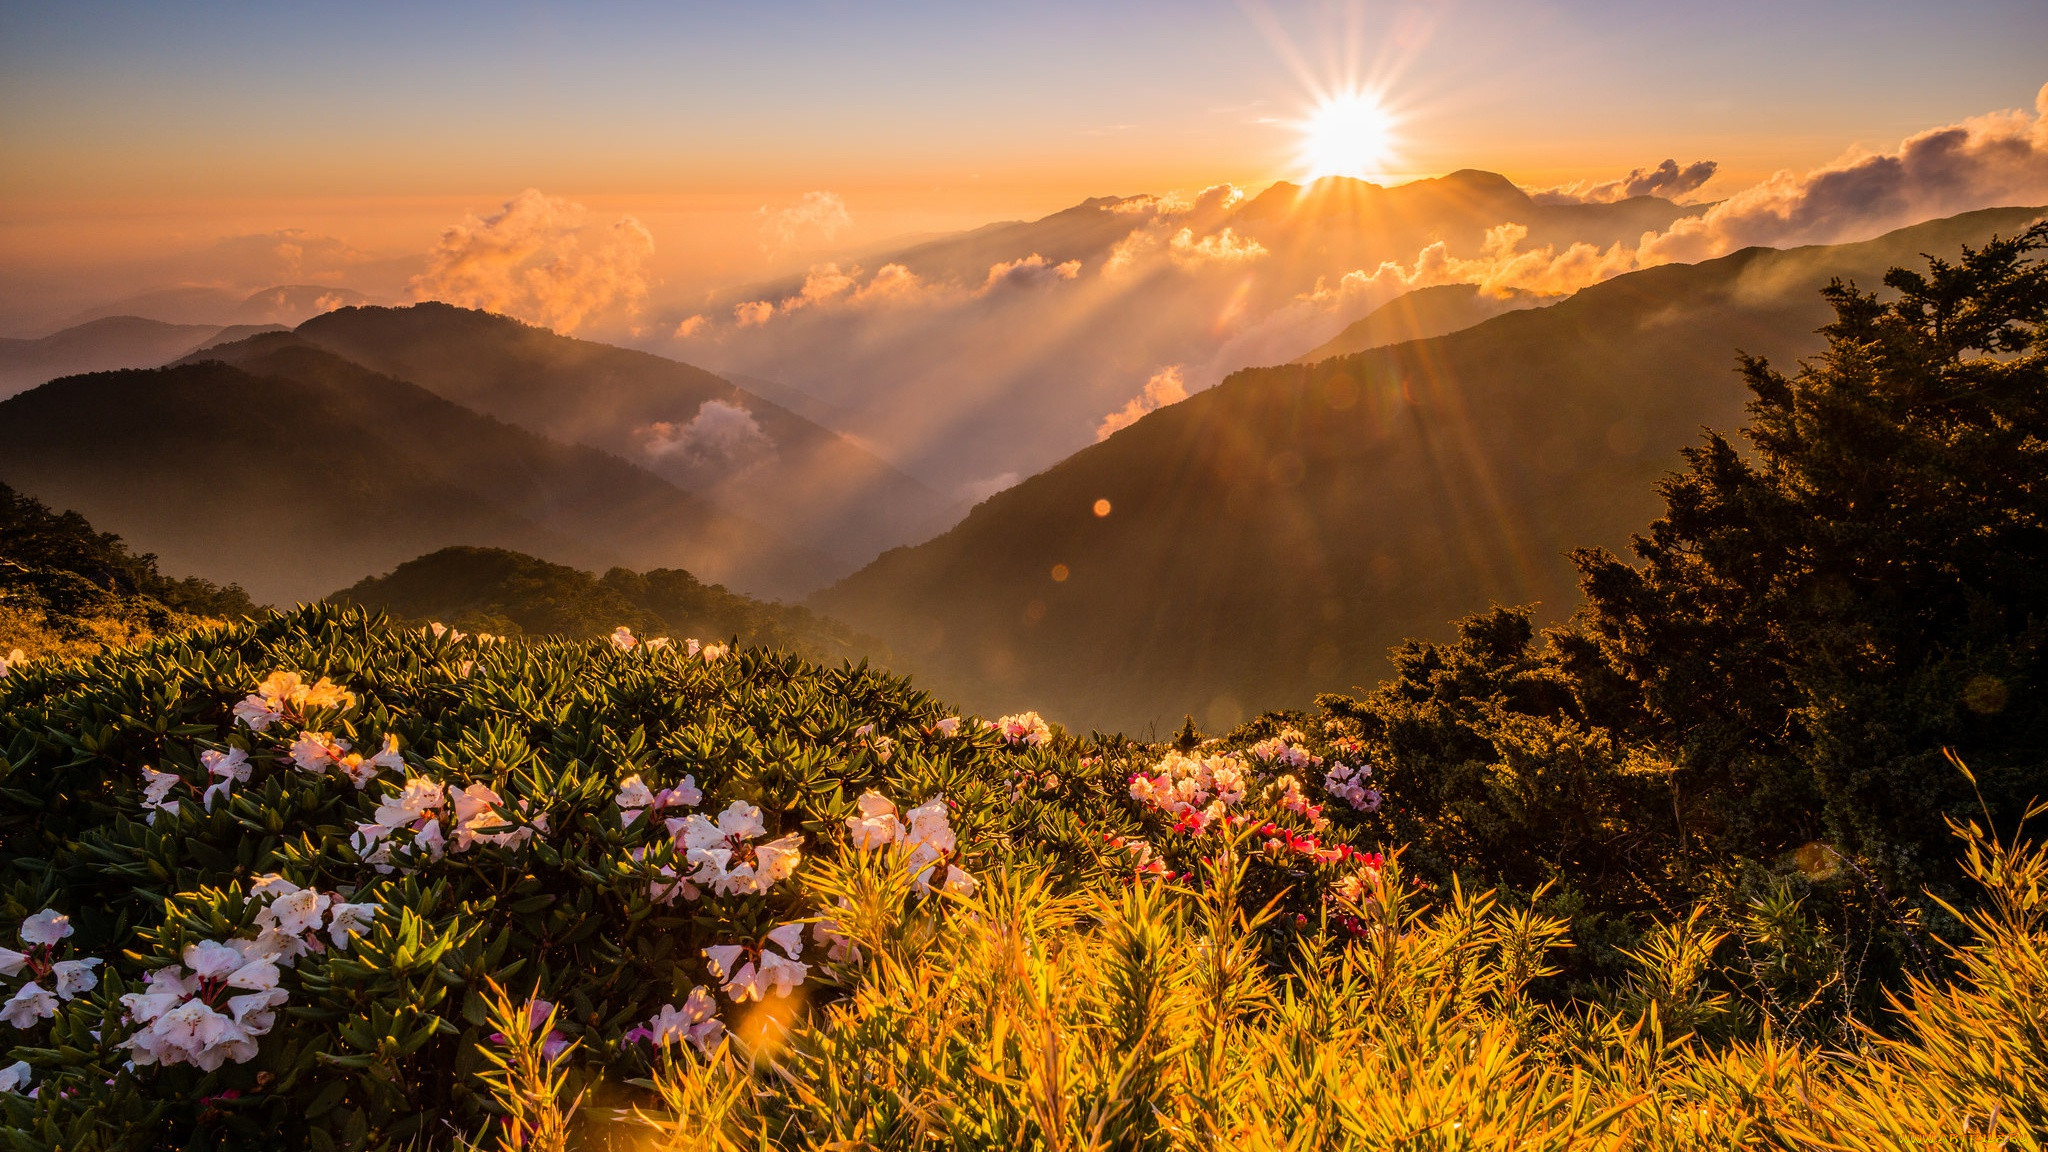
(97,346)
(67,589)
(1272,537)
(1423,313)
(220,307)
(973,359)
(743,454)
(294,471)
(507,593)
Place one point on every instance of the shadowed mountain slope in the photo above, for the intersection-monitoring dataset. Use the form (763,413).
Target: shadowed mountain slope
(743,454)
(296,471)
(1274,536)
(97,346)
(1424,313)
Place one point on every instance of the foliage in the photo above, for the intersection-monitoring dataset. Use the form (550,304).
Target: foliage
(305,847)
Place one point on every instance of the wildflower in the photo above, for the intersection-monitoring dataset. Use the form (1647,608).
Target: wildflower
(713,653)
(477,820)
(1280,749)
(924,837)
(15,1075)
(950,726)
(46,927)
(755,973)
(315,752)
(1348,784)
(1027,728)
(635,798)
(156,789)
(622,638)
(441,630)
(656,644)
(1287,793)
(10,662)
(362,769)
(347,921)
(74,977)
(286,695)
(30,1003)
(230,768)
(726,857)
(696,1022)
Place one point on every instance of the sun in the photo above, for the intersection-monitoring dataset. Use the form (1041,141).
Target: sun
(1348,134)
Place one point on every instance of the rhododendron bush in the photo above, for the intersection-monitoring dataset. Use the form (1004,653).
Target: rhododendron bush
(259,883)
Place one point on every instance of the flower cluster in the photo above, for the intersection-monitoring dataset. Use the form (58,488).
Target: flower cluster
(622,639)
(1286,793)
(1285,750)
(1348,784)
(725,855)
(1196,791)
(287,696)
(1025,728)
(41,935)
(1146,862)
(429,814)
(290,924)
(635,798)
(1355,888)
(696,1022)
(754,972)
(180,1018)
(316,752)
(923,838)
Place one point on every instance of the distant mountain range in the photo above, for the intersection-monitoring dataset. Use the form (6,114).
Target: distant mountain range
(294,471)
(110,342)
(973,359)
(1274,536)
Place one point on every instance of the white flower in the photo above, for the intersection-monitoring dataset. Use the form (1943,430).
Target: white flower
(16,1075)
(439,630)
(477,820)
(362,769)
(634,798)
(622,638)
(257,713)
(1024,728)
(45,927)
(30,1003)
(315,752)
(696,1022)
(232,764)
(12,962)
(713,653)
(655,644)
(346,921)
(683,795)
(75,976)
(770,972)
(271,884)
(156,787)
(877,826)
(300,912)
(947,727)
(839,948)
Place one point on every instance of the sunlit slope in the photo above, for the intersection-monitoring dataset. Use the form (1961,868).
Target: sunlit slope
(298,472)
(1424,313)
(754,459)
(1274,536)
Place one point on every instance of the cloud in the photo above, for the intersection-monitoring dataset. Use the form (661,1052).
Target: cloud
(1996,160)
(812,222)
(1028,272)
(974,492)
(537,260)
(723,437)
(1225,247)
(287,256)
(753,313)
(1667,180)
(1165,387)
(690,326)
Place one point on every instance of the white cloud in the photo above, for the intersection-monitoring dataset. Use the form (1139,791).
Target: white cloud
(1165,387)
(537,260)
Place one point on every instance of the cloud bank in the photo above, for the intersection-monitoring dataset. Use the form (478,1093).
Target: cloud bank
(537,260)
(1165,387)
(1667,180)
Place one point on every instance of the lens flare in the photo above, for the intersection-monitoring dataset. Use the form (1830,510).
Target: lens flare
(1348,134)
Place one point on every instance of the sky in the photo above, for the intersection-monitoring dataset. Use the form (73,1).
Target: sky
(134,133)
